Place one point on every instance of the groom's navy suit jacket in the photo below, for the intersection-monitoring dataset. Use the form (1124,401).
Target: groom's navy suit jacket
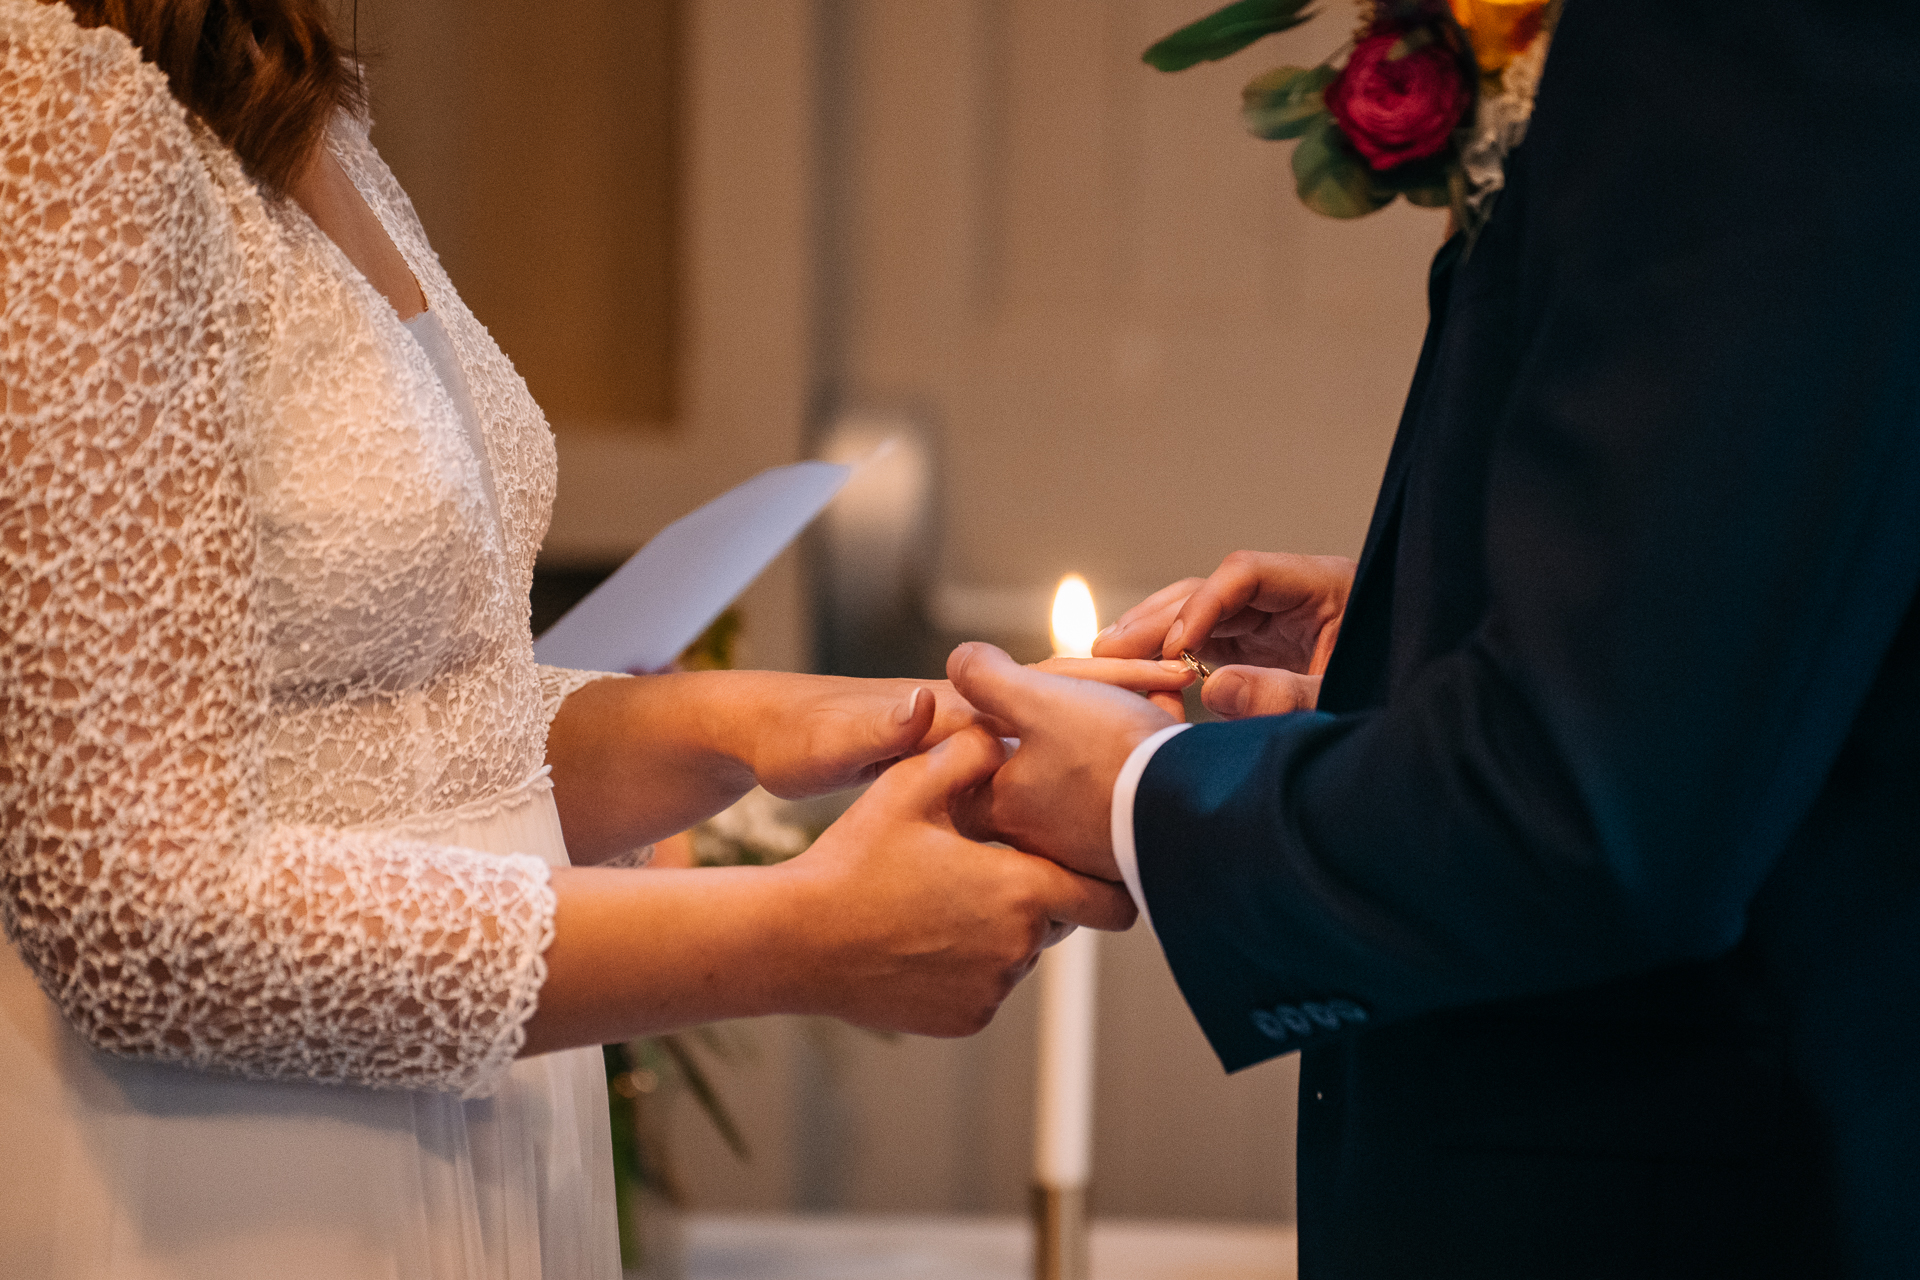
(1592,890)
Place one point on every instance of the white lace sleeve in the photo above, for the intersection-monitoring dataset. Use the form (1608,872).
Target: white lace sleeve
(139,874)
(557,684)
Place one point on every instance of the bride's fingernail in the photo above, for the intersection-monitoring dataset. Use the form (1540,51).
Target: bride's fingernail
(904,713)
(1176,666)
(1175,633)
(1106,631)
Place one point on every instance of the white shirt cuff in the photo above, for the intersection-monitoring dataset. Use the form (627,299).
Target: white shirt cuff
(1124,787)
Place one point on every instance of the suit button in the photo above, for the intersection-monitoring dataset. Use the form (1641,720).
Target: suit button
(1282,1022)
(1323,1014)
(1268,1025)
(1347,1011)
(1285,1021)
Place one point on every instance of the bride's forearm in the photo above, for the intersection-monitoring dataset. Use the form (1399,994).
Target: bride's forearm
(637,760)
(638,953)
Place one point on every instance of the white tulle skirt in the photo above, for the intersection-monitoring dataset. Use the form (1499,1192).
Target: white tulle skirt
(115,1170)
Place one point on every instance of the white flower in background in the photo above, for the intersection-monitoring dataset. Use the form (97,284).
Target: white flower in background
(757,828)
(1500,124)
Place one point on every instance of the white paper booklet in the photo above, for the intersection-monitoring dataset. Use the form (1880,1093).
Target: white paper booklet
(658,602)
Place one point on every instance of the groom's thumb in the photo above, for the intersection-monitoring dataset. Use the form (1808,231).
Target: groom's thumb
(994,683)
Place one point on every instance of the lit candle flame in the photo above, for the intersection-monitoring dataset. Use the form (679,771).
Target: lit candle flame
(1074,621)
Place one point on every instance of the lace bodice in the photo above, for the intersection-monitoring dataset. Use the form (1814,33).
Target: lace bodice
(258,608)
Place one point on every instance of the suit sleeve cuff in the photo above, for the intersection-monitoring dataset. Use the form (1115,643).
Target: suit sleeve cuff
(1124,787)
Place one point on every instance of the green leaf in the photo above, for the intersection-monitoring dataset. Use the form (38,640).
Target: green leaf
(1432,197)
(1285,101)
(714,648)
(1423,182)
(629,1170)
(705,1094)
(1226,32)
(1331,178)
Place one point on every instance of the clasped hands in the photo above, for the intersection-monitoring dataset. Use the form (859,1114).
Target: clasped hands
(1265,623)
(898,916)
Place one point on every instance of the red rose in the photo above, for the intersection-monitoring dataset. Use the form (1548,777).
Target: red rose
(1398,109)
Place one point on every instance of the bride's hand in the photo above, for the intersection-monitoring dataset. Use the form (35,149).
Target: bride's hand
(913,927)
(892,919)
(810,735)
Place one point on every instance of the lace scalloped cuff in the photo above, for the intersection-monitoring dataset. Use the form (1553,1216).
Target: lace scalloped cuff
(526,983)
(557,684)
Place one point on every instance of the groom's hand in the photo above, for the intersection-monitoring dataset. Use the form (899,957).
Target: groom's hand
(1265,622)
(1054,795)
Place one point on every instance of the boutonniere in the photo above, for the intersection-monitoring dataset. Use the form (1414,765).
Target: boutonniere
(1425,101)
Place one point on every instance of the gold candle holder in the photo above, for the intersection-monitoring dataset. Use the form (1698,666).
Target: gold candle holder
(1060,1233)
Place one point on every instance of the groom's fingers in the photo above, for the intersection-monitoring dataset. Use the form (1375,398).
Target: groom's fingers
(1237,692)
(997,686)
(1057,933)
(1138,632)
(1072,898)
(1055,794)
(1235,584)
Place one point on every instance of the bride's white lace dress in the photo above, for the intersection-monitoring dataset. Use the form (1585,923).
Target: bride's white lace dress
(275,832)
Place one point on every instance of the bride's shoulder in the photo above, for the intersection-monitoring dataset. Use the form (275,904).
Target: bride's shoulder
(91,134)
(108,202)
(37,32)
(61,81)
(37,20)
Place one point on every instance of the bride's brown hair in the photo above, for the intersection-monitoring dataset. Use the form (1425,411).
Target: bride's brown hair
(265,75)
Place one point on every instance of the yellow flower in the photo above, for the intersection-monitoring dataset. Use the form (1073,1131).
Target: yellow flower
(1500,29)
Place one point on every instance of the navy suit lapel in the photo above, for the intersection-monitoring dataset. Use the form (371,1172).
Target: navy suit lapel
(1357,675)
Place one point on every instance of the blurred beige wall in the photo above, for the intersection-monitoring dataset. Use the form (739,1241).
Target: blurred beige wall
(1143,351)
(1138,351)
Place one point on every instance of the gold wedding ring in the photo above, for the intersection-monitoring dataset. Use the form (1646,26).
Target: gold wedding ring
(1194,664)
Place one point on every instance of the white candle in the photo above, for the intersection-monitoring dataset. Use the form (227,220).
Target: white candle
(1063,1118)
(1063,1114)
